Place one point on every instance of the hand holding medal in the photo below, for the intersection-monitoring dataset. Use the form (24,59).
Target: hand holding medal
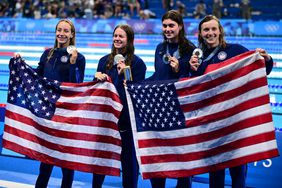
(198,52)
(195,59)
(73,53)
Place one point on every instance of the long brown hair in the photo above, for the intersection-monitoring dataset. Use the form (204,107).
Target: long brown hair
(208,18)
(184,44)
(72,40)
(127,51)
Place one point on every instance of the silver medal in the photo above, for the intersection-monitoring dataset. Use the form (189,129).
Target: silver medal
(70,49)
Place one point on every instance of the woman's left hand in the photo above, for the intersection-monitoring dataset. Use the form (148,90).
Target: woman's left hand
(125,83)
(120,66)
(73,57)
(263,53)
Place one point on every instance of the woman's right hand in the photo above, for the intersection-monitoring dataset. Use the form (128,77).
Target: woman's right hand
(17,55)
(14,59)
(194,62)
(101,76)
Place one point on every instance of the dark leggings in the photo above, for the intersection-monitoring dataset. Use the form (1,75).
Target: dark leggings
(45,173)
(238,175)
(185,182)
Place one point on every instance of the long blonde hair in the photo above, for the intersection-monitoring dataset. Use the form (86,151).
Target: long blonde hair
(72,40)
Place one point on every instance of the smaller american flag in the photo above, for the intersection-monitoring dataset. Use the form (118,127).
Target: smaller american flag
(191,126)
(65,124)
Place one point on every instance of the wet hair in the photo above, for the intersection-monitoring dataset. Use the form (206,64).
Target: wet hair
(127,51)
(72,40)
(208,18)
(185,45)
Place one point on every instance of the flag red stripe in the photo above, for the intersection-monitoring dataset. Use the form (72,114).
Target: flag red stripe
(62,163)
(191,156)
(61,133)
(9,54)
(225,95)
(246,123)
(61,148)
(252,103)
(227,164)
(69,84)
(85,121)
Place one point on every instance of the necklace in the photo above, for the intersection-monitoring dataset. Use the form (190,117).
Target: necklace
(210,56)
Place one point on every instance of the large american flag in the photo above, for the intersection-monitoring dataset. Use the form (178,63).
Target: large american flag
(65,124)
(192,126)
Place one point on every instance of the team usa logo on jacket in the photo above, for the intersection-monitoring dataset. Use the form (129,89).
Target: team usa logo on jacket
(222,55)
(64,59)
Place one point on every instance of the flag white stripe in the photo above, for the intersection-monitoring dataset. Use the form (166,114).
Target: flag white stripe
(92,100)
(133,126)
(86,114)
(234,154)
(100,85)
(59,155)
(63,126)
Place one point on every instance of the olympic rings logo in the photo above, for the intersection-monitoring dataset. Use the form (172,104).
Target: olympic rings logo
(271,28)
(139,26)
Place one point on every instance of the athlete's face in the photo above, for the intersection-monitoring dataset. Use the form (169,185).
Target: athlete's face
(210,33)
(171,30)
(119,38)
(63,34)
